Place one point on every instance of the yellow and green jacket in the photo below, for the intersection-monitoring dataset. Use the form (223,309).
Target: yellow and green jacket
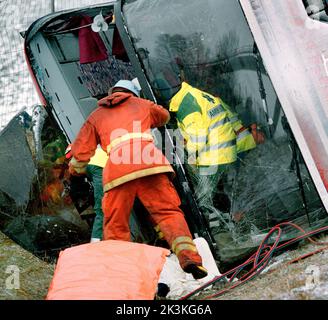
(99,159)
(245,140)
(205,126)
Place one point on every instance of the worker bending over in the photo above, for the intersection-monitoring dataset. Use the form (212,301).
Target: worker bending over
(214,139)
(136,168)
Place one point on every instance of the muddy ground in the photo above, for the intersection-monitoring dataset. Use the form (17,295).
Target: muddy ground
(304,280)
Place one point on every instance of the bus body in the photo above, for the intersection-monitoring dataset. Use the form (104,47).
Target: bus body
(265,59)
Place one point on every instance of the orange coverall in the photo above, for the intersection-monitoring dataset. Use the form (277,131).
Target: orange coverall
(135,168)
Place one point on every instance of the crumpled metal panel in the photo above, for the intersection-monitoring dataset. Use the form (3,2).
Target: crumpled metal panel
(17,167)
(294,48)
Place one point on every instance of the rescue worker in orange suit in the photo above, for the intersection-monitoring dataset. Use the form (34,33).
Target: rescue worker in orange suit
(135,168)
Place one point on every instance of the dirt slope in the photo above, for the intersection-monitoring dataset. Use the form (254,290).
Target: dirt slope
(34,275)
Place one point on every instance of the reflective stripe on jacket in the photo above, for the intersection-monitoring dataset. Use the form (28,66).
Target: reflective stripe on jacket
(205,125)
(118,115)
(245,140)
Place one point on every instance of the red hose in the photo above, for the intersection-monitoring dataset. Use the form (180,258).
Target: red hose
(260,259)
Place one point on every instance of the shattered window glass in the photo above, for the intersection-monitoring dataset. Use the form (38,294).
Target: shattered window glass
(210,47)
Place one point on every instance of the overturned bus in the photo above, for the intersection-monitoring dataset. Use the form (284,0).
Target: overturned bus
(267,60)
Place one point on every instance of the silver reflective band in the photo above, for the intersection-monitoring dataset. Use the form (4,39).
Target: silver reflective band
(213,216)
(214,112)
(219,123)
(234,119)
(198,139)
(214,224)
(243,134)
(219,146)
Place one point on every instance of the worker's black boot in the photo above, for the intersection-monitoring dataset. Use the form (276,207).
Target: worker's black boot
(198,272)
(162,290)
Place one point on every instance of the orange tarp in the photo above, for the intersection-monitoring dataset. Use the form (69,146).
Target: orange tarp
(107,270)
